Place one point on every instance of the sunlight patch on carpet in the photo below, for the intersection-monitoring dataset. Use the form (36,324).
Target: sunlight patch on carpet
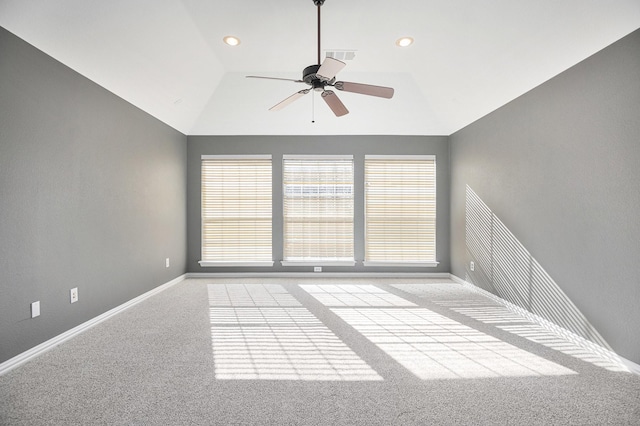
(250,295)
(474,305)
(253,342)
(354,295)
(433,346)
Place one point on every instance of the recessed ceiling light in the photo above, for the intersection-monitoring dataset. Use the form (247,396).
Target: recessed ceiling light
(231,40)
(404,41)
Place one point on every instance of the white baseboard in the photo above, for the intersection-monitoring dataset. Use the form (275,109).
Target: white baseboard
(49,344)
(554,328)
(436,275)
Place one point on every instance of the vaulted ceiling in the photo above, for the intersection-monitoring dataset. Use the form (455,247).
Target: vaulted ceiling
(469,58)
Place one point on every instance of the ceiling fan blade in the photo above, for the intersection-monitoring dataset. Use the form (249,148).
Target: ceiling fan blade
(290,99)
(329,68)
(365,89)
(275,78)
(334,103)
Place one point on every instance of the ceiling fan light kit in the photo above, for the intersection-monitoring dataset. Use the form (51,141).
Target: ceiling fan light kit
(319,76)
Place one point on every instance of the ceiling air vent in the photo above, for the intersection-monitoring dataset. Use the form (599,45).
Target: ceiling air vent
(341,55)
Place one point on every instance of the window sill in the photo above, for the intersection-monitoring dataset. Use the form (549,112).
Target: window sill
(212,263)
(401,264)
(318,263)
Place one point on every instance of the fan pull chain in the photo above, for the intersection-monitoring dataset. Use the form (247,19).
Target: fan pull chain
(313,105)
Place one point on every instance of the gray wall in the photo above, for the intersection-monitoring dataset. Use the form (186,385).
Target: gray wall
(556,174)
(92,195)
(355,145)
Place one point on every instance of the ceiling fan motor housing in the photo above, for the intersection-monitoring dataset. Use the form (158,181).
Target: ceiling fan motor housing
(310,77)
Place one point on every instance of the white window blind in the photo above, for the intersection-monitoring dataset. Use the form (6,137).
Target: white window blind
(236,210)
(318,209)
(400,210)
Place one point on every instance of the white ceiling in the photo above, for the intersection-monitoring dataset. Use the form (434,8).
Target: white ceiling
(469,57)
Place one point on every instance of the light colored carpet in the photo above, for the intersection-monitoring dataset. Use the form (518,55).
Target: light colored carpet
(318,352)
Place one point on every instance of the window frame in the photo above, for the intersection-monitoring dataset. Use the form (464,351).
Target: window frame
(317,261)
(240,262)
(396,263)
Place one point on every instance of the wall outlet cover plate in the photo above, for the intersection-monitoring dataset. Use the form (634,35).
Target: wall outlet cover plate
(35,309)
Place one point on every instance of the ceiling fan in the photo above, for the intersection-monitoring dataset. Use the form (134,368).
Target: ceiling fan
(322,75)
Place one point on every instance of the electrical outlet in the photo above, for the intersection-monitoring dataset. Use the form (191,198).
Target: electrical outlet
(472,265)
(166,262)
(73,295)
(35,309)
(317,269)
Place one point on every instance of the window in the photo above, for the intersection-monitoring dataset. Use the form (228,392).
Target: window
(318,210)
(400,210)
(236,210)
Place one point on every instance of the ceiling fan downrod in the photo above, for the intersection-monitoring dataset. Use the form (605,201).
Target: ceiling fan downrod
(318,3)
